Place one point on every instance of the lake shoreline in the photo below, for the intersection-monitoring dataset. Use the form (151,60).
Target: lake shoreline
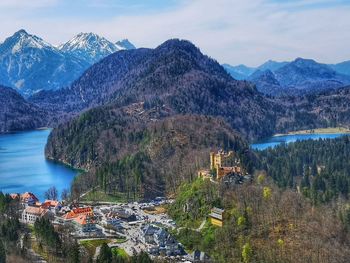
(274,141)
(24,167)
(338,130)
(61,162)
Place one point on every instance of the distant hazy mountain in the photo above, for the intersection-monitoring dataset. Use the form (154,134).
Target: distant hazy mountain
(301,71)
(300,76)
(239,72)
(342,68)
(272,65)
(125,44)
(29,64)
(18,114)
(243,72)
(266,82)
(92,48)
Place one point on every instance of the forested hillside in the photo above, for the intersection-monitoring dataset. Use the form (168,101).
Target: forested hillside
(16,114)
(141,157)
(262,223)
(318,169)
(329,108)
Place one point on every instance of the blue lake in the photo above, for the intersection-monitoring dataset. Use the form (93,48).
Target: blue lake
(276,140)
(23,166)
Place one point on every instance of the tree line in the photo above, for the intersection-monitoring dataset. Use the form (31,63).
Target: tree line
(317,168)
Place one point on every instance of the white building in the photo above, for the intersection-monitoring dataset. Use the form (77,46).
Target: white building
(31,214)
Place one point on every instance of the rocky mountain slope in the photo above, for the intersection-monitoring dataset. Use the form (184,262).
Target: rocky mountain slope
(16,114)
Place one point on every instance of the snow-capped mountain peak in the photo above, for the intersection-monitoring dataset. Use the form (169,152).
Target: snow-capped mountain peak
(21,40)
(30,64)
(88,42)
(93,47)
(90,46)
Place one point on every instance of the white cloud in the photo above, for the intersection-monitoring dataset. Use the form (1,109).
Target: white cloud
(26,3)
(231,31)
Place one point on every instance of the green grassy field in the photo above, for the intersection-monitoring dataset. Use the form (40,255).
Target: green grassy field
(120,252)
(91,245)
(103,197)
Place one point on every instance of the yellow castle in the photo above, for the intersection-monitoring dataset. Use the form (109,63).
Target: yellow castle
(218,163)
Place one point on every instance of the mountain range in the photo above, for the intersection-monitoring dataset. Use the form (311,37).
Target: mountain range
(243,72)
(301,76)
(174,78)
(29,64)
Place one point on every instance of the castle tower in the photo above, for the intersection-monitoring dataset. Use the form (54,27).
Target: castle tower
(212,160)
(218,161)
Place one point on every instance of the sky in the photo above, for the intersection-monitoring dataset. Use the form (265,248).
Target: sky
(231,31)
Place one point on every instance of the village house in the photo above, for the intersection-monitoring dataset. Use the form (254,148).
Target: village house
(149,234)
(114,224)
(15,196)
(78,211)
(124,215)
(164,243)
(27,199)
(31,213)
(217,216)
(52,205)
(82,218)
(84,223)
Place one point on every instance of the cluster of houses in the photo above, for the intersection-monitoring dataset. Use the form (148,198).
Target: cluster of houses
(113,218)
(81,218)
(162,242)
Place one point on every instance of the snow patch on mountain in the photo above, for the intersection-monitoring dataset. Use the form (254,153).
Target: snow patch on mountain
(92,47)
